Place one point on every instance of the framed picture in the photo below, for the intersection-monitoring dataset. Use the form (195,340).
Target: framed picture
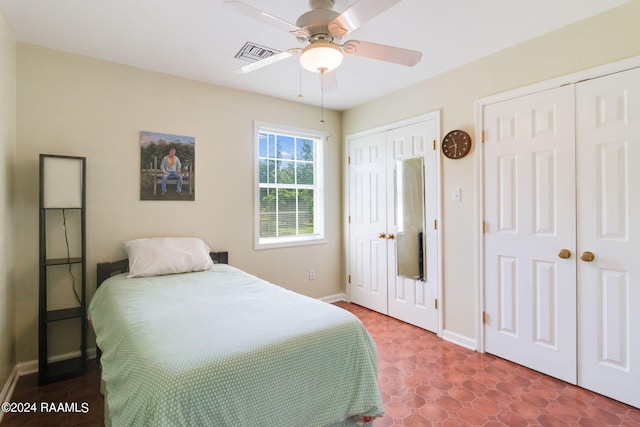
(167,166)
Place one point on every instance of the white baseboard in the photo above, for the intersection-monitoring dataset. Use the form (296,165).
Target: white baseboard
(334,298)
(26,368)
(9,386)
(31,366)
(460,340)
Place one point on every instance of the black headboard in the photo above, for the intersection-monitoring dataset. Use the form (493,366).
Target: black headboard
(108,269)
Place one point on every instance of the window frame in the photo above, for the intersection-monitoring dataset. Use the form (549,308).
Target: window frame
(319,203)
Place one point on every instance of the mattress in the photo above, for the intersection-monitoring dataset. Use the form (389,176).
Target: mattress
(224,348)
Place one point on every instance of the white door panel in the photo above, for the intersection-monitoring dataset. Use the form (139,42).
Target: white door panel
(530,216)
(410,300)
(608,134)
(368,207)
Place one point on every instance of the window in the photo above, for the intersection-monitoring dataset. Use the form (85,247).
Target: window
(289,186)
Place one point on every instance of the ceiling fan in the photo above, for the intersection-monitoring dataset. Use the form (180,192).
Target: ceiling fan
(321,29)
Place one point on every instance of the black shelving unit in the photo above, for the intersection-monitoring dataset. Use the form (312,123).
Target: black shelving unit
(62,195)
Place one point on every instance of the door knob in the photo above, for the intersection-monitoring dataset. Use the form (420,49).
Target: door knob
(391,236)
(564,253)
(382,235)
(587,256)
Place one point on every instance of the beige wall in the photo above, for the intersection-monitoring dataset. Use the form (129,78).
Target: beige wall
(74,105)
(68,104)
(7,206)
(604,38)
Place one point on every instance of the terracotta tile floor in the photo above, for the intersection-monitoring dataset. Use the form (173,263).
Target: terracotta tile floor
(426,381)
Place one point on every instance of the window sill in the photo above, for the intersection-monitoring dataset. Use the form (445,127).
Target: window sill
(273,243)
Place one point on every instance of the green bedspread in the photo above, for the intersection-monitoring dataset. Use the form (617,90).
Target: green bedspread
(224,348)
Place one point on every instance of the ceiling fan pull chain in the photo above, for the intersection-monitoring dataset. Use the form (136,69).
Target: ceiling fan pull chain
(322,71)
(300,82)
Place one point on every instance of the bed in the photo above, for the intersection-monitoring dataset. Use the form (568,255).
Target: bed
(220,347)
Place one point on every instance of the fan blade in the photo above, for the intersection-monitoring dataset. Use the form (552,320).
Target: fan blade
(360,12)
(267,61)
(382,52)
(258,14)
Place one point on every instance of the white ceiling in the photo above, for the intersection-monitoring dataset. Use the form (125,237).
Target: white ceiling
(198,39)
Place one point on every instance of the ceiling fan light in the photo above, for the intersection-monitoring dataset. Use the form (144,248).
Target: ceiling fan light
(321,56)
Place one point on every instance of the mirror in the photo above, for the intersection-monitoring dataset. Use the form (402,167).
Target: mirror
(410,217)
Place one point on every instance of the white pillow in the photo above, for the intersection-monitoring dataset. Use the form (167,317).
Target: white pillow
(167,255)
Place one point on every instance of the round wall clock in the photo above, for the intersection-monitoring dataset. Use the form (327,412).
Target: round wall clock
(456,144)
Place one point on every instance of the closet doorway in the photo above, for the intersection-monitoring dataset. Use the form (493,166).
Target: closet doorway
(393,243)
(562,232)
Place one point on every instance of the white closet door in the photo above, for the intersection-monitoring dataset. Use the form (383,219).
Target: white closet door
(530,292)
(608,158)
(410,300)
(372,265)
(368,216)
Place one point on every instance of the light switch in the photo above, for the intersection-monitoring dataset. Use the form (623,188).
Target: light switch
(455,194)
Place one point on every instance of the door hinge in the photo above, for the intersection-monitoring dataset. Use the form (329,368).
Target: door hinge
(349,219)
(484,226)
(435,224)
(348,160)
(484,317)
(349,279)
(482,136)
(435,304)
(434,144)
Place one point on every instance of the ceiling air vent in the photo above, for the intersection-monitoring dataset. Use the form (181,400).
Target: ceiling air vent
(253,52)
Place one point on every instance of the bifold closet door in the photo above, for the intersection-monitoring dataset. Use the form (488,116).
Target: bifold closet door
(373,228)
(529,239)
(576,316)
(608,258)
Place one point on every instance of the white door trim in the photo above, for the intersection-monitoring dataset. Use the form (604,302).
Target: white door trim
(603,70)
